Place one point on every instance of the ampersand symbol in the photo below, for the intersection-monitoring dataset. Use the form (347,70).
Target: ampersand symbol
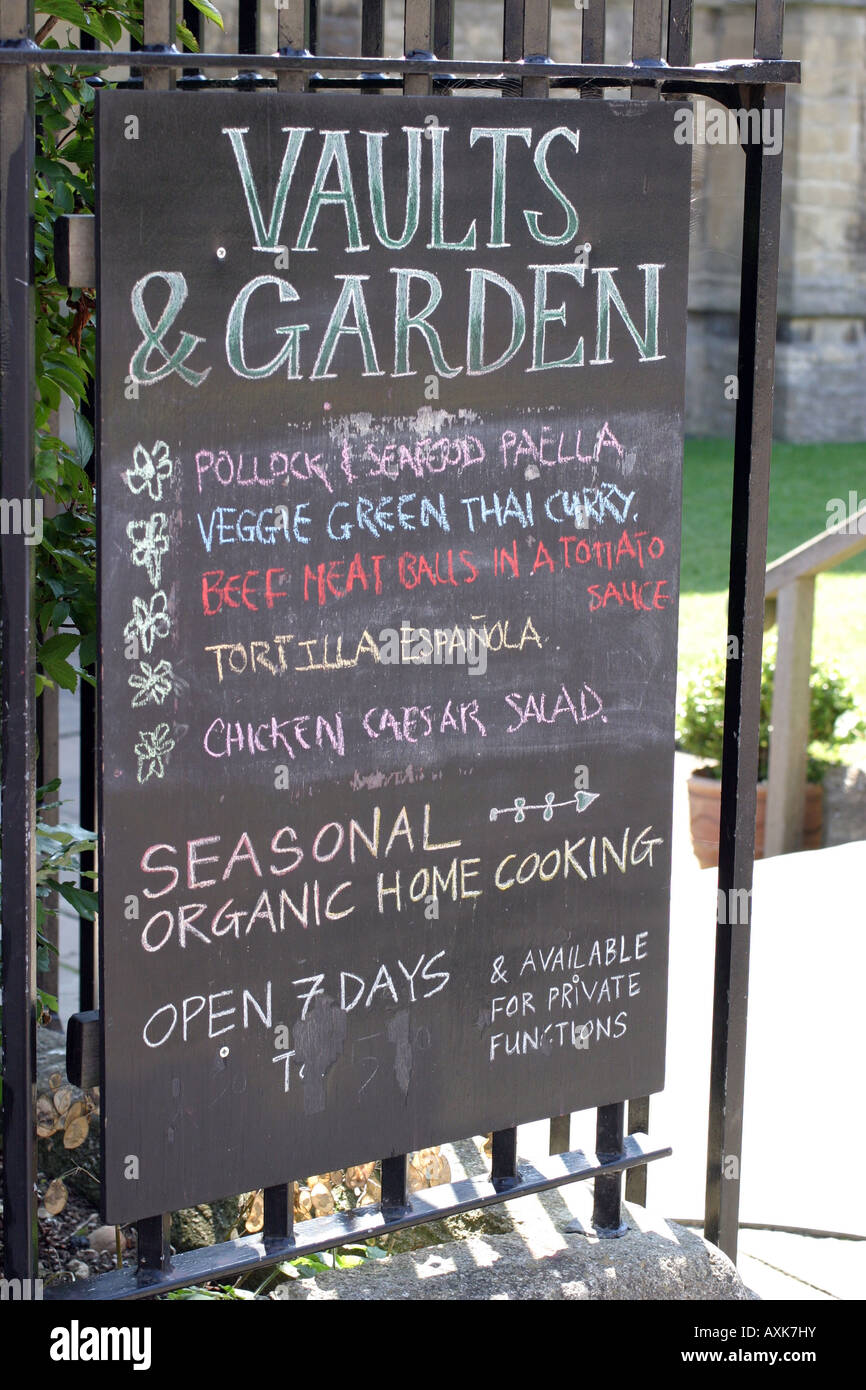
(499,976)
(153,335)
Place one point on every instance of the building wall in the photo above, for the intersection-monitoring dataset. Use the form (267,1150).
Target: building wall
(821,347)
(821,351)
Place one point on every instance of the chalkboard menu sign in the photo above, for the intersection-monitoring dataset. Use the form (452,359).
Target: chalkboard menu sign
(390,438)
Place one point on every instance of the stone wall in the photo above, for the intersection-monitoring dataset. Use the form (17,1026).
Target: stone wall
(821,353)
(821,348)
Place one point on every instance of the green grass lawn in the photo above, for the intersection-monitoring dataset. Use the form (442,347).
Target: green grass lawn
(804,479)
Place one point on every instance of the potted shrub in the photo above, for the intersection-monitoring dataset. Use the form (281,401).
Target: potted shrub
(699,732)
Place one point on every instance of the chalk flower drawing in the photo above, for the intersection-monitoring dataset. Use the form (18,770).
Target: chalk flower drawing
(149,544)
(149,621)
(152,750)
(153,683)
(149,470)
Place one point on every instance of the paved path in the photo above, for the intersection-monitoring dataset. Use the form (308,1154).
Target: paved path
(804,1126)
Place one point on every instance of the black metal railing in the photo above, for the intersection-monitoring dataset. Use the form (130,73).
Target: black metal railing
(661,65)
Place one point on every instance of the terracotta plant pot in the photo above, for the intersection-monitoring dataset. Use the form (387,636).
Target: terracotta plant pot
(705,798)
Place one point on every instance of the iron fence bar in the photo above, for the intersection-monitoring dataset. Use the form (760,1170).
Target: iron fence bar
(769,26)
(536,45)
(372,28)
(313,23)
(18,843)
(745,71)
(248,26)
(88,782)
(293,36)
(249,41)
(395,1182)
(504,1172)
(560,1134)
(373,42)
(279,1214)
(238,1257)
(520,23)
(87,819)
(593,19)
(607,1191)
(443,28)
(646,37)
(638,1123)
(512,30)
(47,770)
(680,32)
(444,82)
(158,28)
(418,40)
(153,1248)
(192,18)
(752,450)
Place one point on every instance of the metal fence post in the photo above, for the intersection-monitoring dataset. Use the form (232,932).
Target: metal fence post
(16,584)
(607,1189)
(752,449)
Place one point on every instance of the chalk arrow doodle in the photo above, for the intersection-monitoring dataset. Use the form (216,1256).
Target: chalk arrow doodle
(149,470)
(580,801)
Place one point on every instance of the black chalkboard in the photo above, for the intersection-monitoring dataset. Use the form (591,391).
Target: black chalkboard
(390,434)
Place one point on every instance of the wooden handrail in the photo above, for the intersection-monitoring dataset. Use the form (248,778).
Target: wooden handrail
(822,552)
(790,600)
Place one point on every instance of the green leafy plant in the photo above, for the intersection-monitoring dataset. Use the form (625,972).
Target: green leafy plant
(65,338)
(303,1267)
(58,851)
(65,560)
(832,716)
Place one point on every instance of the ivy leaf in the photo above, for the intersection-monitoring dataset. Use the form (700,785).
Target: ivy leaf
(63,200)
(52,658)
(209,11)
(83,440)
(65,9)
(49,392)
(88,651)
(113,28)
(81,899)
(74,14)
(65,378)
(187,37)
(59,646)
(55,121)
(62,673)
